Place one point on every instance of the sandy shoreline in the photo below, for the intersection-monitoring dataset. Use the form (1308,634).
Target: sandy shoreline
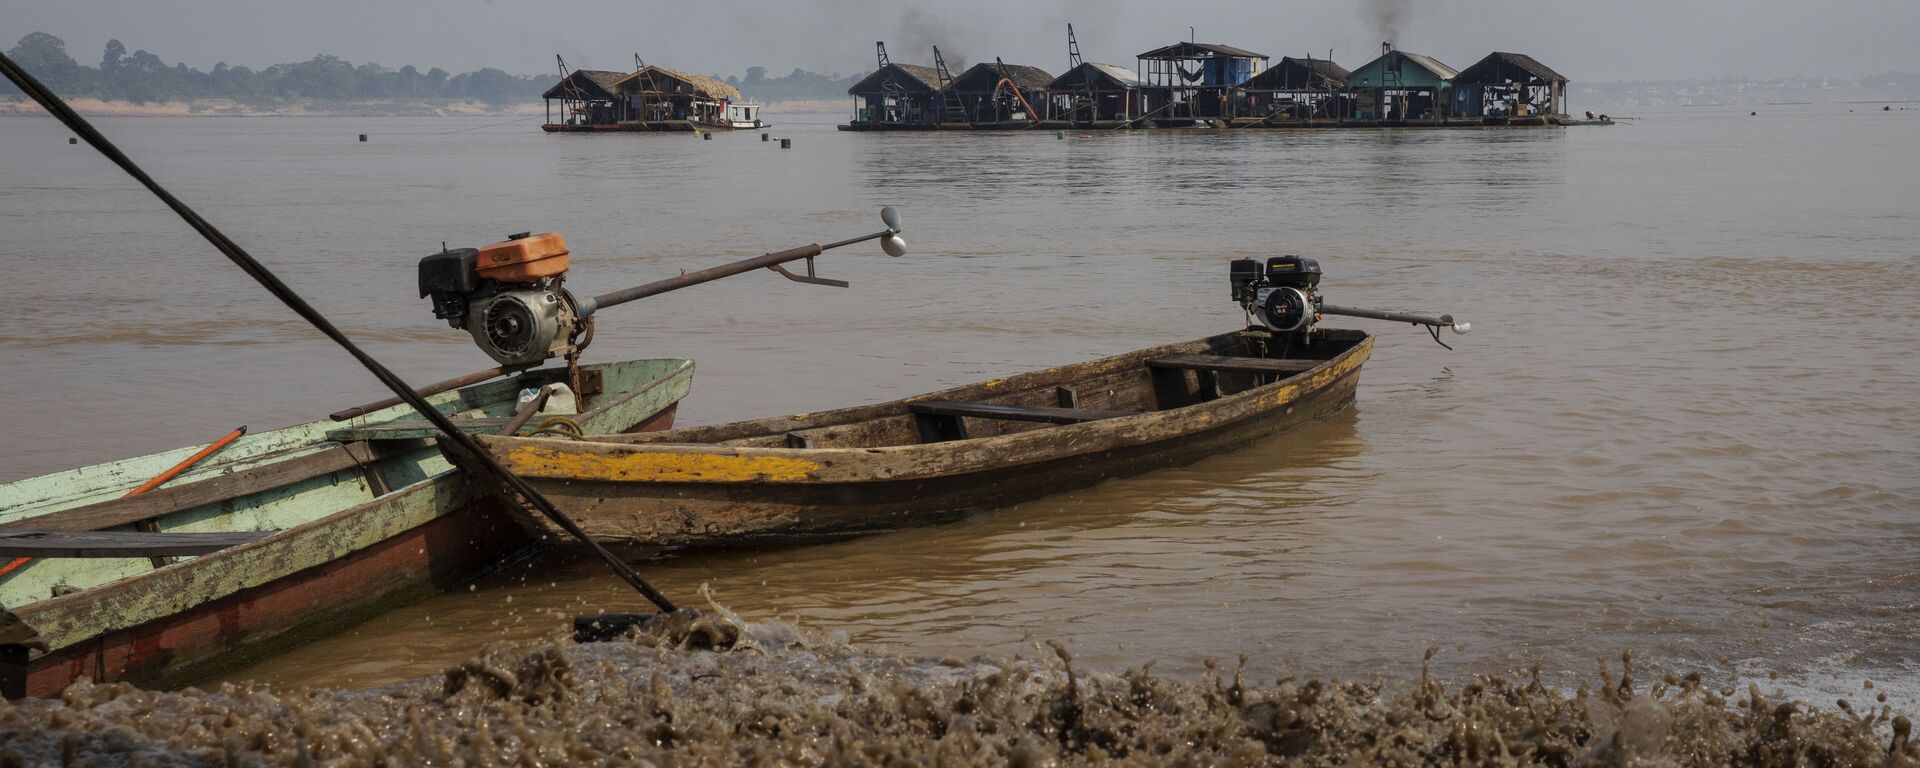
(13,106)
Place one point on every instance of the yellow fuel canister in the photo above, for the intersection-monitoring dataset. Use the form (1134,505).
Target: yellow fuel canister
(524,259)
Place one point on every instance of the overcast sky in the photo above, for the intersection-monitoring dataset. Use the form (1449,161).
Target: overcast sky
(1588,40)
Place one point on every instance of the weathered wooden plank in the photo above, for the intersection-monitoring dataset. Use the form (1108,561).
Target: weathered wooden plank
(1235,364)
(166,501)
(120,543)
(409,429)
(1042,413)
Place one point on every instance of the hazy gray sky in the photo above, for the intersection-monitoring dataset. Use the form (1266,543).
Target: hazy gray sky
(1586,40)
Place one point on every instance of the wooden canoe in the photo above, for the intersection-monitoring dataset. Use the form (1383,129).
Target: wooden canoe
(942,455)
(335,521)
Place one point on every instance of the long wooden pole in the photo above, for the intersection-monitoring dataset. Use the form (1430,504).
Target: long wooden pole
(508,487)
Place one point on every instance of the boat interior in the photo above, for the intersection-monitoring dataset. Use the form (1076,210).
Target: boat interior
(1157,379)
(80,528)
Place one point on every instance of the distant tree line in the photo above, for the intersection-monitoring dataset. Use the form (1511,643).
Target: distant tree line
(797,85)
(142,77)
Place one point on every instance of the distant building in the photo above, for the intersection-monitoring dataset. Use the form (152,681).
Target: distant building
(1401,87)
(984,96)
(1297,89)
(657,94)
(1191,81)
(1510,85)
(588,97)
(1096,93)
(897,96)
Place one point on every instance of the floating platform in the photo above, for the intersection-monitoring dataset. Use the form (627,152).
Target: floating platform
(1529,121)
(653,126)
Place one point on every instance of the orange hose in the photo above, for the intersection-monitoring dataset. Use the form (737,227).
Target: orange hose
(1031,117)
(156,482)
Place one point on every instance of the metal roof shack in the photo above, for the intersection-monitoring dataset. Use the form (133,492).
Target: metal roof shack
(1191,81)
(1212,65)
(1510,85)
(1400,86)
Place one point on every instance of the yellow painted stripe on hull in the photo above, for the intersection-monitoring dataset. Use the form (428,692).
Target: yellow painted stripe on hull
(657,466)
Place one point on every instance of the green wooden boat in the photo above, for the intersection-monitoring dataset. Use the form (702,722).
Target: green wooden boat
(282,536)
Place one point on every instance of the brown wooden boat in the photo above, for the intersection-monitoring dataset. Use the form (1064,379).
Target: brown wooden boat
(942,455)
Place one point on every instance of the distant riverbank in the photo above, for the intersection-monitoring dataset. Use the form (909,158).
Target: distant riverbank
(15,105)
(298,108)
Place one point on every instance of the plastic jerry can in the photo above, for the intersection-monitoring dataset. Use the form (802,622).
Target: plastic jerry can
(524,258)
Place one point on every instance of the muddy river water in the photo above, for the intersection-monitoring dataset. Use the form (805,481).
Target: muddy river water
(1686,424)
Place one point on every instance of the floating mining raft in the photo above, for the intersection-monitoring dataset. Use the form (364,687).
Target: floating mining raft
(1209,85)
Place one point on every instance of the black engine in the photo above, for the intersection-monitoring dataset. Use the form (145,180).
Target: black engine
(1283,293)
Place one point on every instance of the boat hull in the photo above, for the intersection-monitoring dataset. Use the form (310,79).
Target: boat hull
(378,572)
(171,626)
(673,494)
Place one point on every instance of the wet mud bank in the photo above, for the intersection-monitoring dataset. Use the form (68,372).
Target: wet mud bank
(779,695)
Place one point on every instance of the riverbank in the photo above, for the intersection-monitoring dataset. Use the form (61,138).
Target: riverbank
(781,695)
(16,106)
(90,107)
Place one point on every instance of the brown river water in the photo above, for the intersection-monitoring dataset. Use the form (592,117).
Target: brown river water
(1686,424)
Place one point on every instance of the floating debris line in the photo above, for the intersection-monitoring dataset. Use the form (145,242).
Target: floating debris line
(780,695)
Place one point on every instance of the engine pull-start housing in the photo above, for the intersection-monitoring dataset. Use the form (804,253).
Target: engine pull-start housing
(1283,293)
(507,295)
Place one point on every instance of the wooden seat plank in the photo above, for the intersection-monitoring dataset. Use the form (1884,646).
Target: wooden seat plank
(120,543)
(1042,413)
(1235,364)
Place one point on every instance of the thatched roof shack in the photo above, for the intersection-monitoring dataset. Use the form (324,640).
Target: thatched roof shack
(986,76)
(982,100)
(897,96)
(1094,93)
(588,85)
(1500,68)
(911,78)
(1293,74)
(1096,77)
(662,80)
(588,97)
(1509,85)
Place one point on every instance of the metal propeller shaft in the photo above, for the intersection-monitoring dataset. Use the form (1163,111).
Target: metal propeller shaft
(892,243)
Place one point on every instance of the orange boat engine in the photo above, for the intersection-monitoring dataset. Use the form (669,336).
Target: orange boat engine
(507,295)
